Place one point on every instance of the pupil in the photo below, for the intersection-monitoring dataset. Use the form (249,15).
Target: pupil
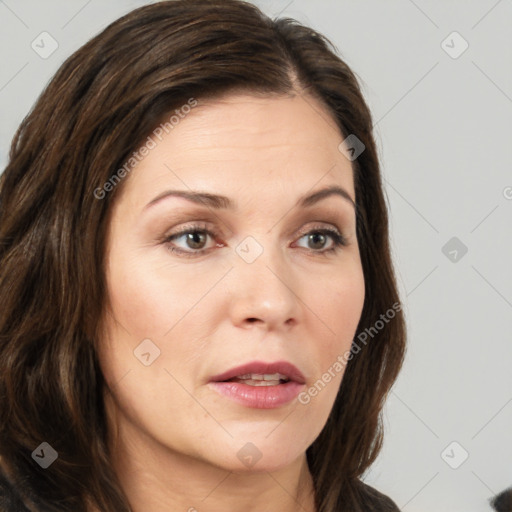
(315,235)
(192,237)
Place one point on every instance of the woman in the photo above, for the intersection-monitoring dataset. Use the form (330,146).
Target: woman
(199,306)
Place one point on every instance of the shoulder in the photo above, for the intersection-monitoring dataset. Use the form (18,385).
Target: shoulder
(503,502)
(371,499)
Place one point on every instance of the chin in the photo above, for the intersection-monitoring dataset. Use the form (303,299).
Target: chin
(257,454)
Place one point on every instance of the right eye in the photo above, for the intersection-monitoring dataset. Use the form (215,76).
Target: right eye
(195,236)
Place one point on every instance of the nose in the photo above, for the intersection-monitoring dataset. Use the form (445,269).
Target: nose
(264,291)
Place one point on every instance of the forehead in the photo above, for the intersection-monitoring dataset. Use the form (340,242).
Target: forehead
(245,142)
(253,124)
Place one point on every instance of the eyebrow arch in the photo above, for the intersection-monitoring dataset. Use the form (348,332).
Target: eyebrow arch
(222,202)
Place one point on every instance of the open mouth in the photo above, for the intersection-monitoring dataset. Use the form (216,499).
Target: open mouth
(260,385)
(260,379)
(257,373)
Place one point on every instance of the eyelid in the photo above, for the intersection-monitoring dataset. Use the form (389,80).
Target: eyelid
(318,225)
(201,225)
(192,226)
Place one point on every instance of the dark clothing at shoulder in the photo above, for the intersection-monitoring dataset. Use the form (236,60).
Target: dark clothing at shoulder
(376,501)
(503,502)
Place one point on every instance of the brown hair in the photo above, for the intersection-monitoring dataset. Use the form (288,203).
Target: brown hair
(101,104)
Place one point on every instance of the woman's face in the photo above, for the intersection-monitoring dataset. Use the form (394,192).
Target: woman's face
(200,290)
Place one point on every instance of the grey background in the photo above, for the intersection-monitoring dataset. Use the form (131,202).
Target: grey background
(444,131)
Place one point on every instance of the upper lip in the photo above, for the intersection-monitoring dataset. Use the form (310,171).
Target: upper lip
(282,367)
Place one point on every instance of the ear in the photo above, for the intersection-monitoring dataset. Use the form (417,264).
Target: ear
(503,501)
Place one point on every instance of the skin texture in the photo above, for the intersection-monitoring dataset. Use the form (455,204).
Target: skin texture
(175,439)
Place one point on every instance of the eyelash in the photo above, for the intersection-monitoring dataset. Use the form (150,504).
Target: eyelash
(338,240)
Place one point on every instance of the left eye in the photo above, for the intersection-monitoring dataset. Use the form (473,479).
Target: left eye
(319,236)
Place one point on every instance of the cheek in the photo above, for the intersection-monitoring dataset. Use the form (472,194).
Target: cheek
(152,299)
(340,306)
(150,295)
(136,295)
(341,303)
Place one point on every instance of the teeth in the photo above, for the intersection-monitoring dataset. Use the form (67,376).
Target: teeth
(274,376)
(263,376)
(251,382)
(260,379)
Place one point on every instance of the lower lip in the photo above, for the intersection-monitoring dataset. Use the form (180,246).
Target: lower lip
(259,397)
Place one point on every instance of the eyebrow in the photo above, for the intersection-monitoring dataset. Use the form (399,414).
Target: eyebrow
(223,202)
